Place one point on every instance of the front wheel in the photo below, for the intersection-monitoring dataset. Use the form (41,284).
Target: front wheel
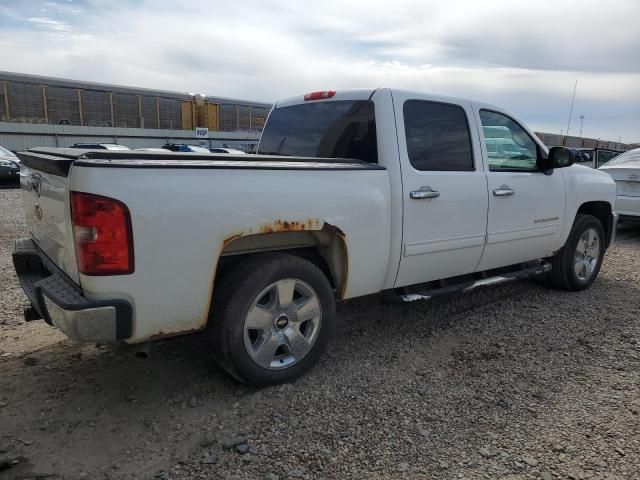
(272,318)
(576,266)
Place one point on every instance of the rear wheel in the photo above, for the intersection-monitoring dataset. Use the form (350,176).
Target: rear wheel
(577,264)
(272,318)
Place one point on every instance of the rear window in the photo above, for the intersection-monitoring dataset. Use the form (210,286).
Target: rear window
(437,136)
(340,129)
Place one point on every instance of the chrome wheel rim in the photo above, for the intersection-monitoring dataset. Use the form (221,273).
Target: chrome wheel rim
(282,324)
(587,254)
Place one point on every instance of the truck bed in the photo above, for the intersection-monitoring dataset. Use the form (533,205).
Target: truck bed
(189,210)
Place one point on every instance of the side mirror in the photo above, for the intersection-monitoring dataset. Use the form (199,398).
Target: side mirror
(560,157)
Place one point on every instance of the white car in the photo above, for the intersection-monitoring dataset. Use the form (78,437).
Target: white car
(152,149)
(625,170)
(232,151)
(351,193)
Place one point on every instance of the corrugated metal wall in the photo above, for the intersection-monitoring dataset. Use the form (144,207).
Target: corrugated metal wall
(17,136)
(35,99)
(125,110)
(63,106)
(96,109)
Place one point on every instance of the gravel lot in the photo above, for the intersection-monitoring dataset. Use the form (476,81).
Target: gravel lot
(507,383)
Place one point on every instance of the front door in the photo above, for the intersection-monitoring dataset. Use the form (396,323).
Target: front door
(526,206)
(444,189)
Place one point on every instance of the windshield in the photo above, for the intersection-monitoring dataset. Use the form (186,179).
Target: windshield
(340,129)
(5,153)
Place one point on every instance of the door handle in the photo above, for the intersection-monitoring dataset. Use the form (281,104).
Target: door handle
(424,192)
(503,191)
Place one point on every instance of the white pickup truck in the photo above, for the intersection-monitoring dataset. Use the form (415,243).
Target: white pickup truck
(351,193)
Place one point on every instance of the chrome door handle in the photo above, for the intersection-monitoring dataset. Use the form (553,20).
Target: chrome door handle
(503,191)
(424,192)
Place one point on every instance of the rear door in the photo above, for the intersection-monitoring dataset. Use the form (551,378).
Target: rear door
(444,188)
(526,206)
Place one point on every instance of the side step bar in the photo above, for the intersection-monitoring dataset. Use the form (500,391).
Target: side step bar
(464,287)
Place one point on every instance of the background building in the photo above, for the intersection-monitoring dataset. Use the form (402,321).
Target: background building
(136,117)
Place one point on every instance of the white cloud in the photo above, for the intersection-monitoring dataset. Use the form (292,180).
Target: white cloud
(49,24)
(521,55)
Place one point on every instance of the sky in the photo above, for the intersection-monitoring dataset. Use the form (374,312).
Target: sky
(522,55)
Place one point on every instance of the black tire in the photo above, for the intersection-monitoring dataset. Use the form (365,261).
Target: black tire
(235,294)
(563,275)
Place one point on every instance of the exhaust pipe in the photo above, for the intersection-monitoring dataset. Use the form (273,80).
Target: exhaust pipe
(143,350)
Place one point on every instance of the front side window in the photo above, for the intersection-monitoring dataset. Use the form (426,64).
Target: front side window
(338,129)
(509,146)
(437,136)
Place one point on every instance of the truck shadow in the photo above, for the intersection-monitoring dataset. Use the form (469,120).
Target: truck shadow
(82,399)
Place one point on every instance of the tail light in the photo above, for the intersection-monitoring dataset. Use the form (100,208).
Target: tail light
(319,95)
(102,235)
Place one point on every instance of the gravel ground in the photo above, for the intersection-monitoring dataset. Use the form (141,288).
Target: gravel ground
(516,382)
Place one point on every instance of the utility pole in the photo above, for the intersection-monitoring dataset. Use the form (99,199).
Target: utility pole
(571,109)
(581,124)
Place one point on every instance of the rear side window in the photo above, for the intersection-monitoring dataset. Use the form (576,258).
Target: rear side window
(340,129)
(437,136)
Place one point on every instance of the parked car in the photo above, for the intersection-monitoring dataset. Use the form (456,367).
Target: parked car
(603,155)
(232,151)
(351,193)
(183,147)
(152,149)
(625,170)
(582,155)
(9,165)
(100,146)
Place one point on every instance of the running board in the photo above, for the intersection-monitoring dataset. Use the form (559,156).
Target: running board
(464,287)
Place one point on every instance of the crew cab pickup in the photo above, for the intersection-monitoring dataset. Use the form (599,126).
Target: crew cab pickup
(351,193)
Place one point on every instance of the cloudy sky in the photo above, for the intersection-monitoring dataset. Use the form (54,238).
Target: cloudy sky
(522,55)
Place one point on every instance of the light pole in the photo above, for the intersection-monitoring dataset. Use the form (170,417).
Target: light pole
(571,109)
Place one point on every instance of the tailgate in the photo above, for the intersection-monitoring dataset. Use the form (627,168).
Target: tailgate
(45,185)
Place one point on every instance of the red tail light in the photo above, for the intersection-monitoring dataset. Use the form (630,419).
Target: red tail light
(319,95)
(102,235)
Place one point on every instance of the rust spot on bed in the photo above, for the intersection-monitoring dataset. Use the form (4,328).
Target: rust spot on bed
(290,226)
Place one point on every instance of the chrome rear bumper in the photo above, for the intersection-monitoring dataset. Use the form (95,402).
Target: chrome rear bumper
(61,303)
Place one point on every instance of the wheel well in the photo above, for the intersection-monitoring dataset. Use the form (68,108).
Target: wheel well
(600,210)
(325,248)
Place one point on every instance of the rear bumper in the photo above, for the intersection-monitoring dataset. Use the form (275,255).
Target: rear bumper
(61,303)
